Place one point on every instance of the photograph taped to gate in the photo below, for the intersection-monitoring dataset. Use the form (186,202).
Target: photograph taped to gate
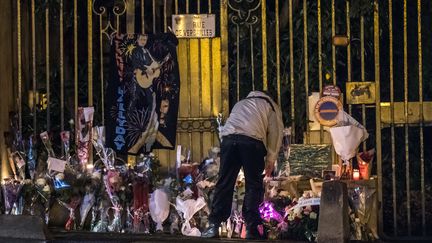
(327,109)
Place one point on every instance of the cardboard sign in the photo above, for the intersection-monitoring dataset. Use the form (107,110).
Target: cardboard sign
(56,164)
(19,160)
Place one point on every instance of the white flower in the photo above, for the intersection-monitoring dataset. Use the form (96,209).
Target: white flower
(290,217)
(41,182)
(46,188)
(203,184)
(60,176)
(307,209)
(297,210)
(96,175)
(313,215)
(307,194)
(215,150)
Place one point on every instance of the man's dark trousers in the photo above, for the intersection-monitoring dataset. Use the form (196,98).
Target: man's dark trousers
(239,151)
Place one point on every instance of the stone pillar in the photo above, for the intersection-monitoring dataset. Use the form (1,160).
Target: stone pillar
(333,224)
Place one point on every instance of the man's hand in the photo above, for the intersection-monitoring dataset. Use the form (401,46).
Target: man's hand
(269,167)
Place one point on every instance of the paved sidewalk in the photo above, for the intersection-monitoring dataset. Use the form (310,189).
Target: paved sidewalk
(75,237)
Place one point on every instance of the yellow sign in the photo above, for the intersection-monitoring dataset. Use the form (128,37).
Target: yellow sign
(194,25)
(360,93)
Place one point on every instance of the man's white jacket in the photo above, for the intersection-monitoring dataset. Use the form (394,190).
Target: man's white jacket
(259,118)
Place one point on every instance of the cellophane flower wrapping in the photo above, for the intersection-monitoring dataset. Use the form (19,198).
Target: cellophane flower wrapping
(187,209)
(47,143)
(11,194)
(141,180)
(116,223)
(86,205)
(19,163)
(31,156)
(363,220)
(112,182)
(140,205)
(171,187)
(159,207)
(65,138)
(71,206)
(83,134)
(41,198)
(100,224)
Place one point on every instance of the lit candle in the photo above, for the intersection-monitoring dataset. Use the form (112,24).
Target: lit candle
(356,175)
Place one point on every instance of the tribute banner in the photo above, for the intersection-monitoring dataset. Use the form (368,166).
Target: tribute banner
(142,93)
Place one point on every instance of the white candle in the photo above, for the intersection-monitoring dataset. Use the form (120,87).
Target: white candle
(356,175)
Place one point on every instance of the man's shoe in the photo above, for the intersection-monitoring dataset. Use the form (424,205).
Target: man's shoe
(211,232)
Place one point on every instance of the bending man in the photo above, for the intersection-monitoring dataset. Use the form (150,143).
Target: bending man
(251,138)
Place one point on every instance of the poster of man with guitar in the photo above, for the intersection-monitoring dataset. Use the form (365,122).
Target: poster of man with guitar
(150,84)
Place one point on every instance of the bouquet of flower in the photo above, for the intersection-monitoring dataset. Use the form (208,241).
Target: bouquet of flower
(364,160)
(19,164)
(141,190)
(272,219)
(159,207)
(65,138)
(363,221)
(238,225)
(92,188)
(47,143)
(83,134)
(302,218)
(112,181)
(208,174)
(31,156)
(11,194)
(71,206)
(171,185)
(43,197)
(114,187)
(187,207)
(100,224)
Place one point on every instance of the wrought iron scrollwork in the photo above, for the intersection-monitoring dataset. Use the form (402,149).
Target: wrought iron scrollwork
(114,8)
(244,16)
(244,11)
(196,125)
